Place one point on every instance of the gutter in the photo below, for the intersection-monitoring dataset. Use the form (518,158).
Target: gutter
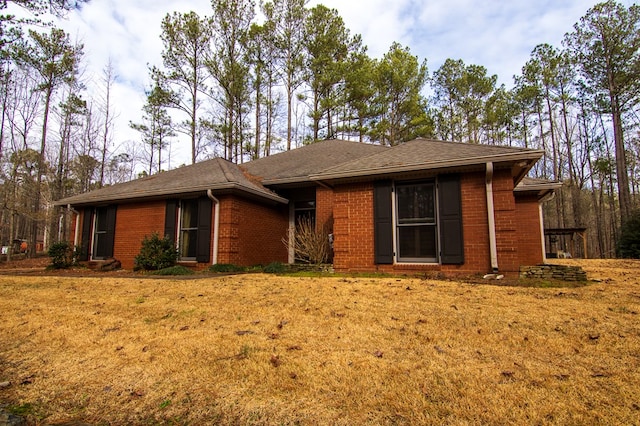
(493,249)
(543,242)
(83,199)
(216,226)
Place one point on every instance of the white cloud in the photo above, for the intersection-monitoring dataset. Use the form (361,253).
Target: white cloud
(380,22)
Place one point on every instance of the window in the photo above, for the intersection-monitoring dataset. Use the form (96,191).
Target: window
(188,223)
(100,234)
(304,209)
(418,222)
(188,229)
(416,226)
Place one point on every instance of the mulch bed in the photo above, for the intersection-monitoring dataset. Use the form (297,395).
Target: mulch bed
(38,267)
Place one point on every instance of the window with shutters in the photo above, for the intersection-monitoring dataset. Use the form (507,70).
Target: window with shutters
(188,234)
(188,224)
(416,222)
(419,221)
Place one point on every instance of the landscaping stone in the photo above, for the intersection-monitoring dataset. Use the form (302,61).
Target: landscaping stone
(555,272)
(110,265)
(10,419)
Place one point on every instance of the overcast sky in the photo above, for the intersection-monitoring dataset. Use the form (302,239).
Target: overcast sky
(498,34)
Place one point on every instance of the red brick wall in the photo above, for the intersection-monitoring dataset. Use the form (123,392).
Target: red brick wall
(133,223)
(324,208)
(353,228)
(528,230)
(504,205)
(475,228)
(251,233)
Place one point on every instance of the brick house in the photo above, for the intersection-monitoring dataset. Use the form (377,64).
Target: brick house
(423,205)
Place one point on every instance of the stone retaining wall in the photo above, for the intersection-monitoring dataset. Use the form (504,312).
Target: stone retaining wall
(554,272)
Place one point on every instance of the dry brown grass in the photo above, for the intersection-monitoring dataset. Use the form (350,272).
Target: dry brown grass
(258,349)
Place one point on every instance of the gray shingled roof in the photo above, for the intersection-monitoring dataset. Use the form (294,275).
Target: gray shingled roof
(425,154)
(325,160)
(216,174)
(298,164)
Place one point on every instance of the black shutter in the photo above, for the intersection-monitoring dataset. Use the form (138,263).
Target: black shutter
(85,236)
(170,220)
(383,223)
(204,230)
(450,206)
(111,231)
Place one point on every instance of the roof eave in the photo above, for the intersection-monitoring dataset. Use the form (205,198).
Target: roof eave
(519,156)
(163,194)
(256,192)
(538,187)
(542,190)
(287,181)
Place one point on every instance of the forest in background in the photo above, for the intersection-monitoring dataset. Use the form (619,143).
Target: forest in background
(252,80)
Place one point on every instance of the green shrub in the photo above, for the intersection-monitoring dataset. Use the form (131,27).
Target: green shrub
(275,268)
(62,255)
(156,253)
(174,270)
(629,244)
(225,267)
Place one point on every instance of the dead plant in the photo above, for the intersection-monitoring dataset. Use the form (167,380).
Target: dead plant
(311,244)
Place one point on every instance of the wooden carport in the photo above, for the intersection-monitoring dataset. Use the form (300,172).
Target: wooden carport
(551,242)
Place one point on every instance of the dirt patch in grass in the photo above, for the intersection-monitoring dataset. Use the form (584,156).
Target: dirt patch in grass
(261,349)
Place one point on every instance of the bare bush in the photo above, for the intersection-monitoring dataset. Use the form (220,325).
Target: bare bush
(310,245)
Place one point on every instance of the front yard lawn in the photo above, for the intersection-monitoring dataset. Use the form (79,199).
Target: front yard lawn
(262,349)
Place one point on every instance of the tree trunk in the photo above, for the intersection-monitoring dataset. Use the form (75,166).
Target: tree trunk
(621,164)
(575,189)
(256,148)
(193,129)
(289,113)
(41,169)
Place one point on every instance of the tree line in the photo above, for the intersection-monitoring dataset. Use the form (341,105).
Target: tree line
(239,84)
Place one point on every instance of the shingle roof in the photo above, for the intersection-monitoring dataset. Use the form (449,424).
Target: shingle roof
(425,154)
(325,160)
(211,174)
(298,164)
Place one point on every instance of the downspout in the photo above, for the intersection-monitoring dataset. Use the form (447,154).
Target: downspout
(493,250)
(75,234)
(291,251)
(216,226)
